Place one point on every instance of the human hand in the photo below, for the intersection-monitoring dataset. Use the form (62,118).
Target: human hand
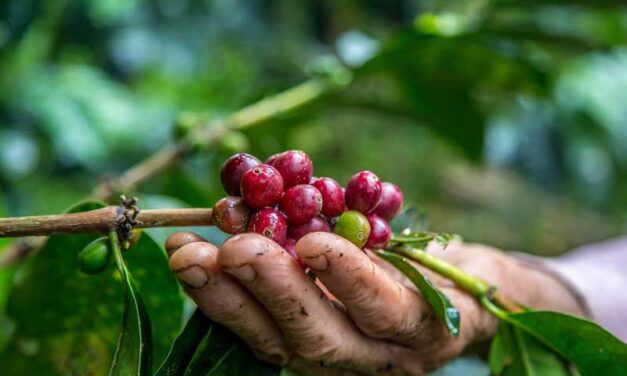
(360,316)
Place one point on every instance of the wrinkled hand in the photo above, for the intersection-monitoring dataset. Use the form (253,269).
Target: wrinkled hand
(360,316)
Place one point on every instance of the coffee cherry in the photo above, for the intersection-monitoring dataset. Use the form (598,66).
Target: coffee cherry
(353,226)
(332,196)
(363,192)
(95,257)
(231,214)
(179,239)
(290,247)
(315,224)
(294,165)
(380,232)
(269,223)
(272,158)
(233,169)
(261,186)
(391,201)
(301,203)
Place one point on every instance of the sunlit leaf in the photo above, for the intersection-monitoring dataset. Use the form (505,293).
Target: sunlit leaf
(411,218)
(438,301)
(587,345)
(513,352)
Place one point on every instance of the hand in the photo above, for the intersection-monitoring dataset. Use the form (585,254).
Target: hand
(360,316)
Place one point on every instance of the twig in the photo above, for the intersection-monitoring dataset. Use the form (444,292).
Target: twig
(101,221)
(201,136)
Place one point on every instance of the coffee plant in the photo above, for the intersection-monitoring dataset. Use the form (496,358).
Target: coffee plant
(93,293)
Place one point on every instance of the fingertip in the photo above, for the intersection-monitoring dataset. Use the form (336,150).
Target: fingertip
(179,239)
(318,248)
(193,262)
(241,248)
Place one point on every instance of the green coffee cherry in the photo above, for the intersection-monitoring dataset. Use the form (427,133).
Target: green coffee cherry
(353,226)
(95,257)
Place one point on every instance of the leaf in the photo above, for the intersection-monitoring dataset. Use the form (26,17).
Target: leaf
(514,352)
(438,301)
(223,353)
(185,345)
(65,322)
(410,218)
(587,345)
(164,299)
(133,355)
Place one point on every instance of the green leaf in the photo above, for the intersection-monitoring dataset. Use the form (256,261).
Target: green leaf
(185,345)
(65,322)
(410,218)
(223,353)
(587,345)
(133,355)
(514,352)
(438,301)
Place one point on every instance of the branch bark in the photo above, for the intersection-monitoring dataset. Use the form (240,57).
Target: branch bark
(101,221)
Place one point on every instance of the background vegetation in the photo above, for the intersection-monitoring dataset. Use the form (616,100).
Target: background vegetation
(503,120)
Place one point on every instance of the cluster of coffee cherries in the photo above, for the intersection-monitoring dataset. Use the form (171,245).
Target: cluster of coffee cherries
(282,200)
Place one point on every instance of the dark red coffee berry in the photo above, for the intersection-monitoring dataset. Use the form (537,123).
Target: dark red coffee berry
(301,203)
(233,169)
(363,192)
(313,225)
(332,196)
(295,167)
(272,158)
(231,214)
(269,223)
(261,186)
(391,201)
(380,232)
(290,247)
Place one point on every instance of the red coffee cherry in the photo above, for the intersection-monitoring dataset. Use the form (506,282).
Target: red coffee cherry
(261,186)
(315,224)
(294,165)
(363,192)
(272,158)
(269,223)
(301,203)
(391,201)
(231,214)
(332,196)
(233,169)
(380,232)
(290,247)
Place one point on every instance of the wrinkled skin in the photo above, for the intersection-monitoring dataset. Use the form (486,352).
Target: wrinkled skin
(360,316)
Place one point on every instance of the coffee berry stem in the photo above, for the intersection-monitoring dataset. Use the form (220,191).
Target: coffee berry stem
(101,221)
(479,289)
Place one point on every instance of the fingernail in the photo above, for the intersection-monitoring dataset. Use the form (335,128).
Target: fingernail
(318,262)
(245,272)
(193,276)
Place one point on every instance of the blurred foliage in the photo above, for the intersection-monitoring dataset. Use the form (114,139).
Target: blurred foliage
(503,120)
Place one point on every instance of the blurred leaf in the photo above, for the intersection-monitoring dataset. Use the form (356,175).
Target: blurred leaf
(185,345)
(587,345)
(514,352)
(438,301)
(179,184)
(412,219)
(133,355)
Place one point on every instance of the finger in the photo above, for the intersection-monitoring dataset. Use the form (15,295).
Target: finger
(179,239)
(226,301)
(315,331)
(379,305)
